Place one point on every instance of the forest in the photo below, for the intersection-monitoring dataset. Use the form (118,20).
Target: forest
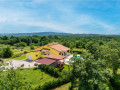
(98,70)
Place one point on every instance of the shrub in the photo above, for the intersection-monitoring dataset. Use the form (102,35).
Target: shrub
(1,54)
(51,70)
(22,65)
(25,52)
(7,53)
(32,47)
(55,83)
(36,64)
(15,55)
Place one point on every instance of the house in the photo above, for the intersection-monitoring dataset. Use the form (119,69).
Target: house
(51,59)
(53,50)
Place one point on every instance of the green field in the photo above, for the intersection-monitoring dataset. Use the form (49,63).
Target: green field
(22,57)
(63,87)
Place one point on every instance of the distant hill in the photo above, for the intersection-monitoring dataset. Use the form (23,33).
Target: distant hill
(37,33)
(51,33)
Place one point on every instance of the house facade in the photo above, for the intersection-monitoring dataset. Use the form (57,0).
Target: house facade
(51,50)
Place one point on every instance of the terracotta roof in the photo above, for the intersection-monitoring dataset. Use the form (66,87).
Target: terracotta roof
(59,47)
(46,61)
(53,56)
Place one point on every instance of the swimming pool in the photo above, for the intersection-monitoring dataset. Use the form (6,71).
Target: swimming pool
(75,57)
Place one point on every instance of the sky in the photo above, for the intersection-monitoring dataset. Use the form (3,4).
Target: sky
(69,16)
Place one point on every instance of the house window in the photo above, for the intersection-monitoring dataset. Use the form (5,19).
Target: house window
(60,53)
(43,53)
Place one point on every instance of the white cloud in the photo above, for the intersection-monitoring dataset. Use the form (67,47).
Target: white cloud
(66,20)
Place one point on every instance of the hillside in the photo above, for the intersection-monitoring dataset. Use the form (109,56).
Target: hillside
(36,33)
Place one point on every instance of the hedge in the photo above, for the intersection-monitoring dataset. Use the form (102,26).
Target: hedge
(55,83)
(49,69)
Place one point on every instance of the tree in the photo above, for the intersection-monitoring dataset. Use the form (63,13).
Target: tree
(112,58)
(93,48)
(13,81)
(89,74)
(5,38)
(32,47)
(7,52)
(1,54)
(21,44)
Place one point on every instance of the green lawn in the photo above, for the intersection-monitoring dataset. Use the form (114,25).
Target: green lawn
(34,77)
(22,57)
(63,87)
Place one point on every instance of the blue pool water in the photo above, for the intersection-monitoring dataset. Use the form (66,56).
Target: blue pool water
(75,57)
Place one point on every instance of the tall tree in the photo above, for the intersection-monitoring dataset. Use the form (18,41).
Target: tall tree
(112,58)
(7,52)
(89,74)
(13,81)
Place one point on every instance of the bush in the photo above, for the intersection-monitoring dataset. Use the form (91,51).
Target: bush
(77,51)
(7,53)
(22,65)
(36,64)
(32,47)
(25,52)
(15,55)
(51,70)
(1,54)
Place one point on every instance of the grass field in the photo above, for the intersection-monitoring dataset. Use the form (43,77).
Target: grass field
(63,87)
(22,57)
(34,77)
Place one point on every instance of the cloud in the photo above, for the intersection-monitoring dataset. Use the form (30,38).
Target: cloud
(53,15)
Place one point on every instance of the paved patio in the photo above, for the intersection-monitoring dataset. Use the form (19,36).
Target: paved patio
(67,59)
(18,63)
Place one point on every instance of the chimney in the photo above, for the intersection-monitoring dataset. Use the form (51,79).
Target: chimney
(53,43)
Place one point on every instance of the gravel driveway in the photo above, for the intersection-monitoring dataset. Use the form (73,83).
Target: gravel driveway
(18,63)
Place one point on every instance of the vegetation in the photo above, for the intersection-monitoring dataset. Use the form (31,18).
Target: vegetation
(13,80)
(7,52)
(30,77)
(90,74)
(99,53)
(51,70)
(63,87)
